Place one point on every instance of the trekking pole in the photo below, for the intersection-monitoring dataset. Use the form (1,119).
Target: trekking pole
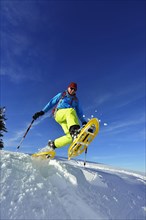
(25,133)
(85,156)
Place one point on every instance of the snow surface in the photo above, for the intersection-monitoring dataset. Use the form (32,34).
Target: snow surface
(61,189)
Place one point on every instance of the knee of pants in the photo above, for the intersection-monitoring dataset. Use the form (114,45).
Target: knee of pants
(69,137)
(63,141)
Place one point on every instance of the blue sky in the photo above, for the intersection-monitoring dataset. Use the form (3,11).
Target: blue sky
(98,44)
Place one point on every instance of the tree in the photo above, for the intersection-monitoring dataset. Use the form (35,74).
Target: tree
(2,125)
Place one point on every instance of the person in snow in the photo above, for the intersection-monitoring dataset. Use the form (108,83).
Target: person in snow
(66,111)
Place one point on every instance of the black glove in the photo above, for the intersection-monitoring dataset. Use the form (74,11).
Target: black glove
(38,114)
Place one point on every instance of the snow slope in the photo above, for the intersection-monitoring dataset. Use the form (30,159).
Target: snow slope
(61,189)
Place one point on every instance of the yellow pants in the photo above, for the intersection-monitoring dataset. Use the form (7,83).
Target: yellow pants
(66,118)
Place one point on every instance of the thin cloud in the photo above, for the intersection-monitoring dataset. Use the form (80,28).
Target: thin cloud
(119,126)
(20,47)
(113,156)
(18,135)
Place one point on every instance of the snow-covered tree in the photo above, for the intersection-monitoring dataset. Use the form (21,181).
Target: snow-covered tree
(2,125)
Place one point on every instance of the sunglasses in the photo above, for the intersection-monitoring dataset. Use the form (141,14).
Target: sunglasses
(73,89)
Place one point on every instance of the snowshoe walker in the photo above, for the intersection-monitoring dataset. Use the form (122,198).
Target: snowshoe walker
(79,144)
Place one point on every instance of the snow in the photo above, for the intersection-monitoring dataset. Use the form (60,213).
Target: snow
(105,124)
(60,189)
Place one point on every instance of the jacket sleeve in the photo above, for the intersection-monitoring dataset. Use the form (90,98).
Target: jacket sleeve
(52,102)
(80,113)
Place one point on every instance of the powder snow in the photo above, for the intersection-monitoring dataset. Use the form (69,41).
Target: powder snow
(60,189)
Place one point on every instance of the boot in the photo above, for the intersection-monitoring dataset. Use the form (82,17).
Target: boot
(74,131)
(51,145)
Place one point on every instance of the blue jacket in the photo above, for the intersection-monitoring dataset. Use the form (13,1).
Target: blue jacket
(64,100)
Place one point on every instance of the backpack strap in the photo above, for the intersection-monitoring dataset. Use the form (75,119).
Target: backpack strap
(73,98)
(55,108)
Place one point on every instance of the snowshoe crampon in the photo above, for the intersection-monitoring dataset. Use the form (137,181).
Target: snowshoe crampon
(86,136)
(45,155)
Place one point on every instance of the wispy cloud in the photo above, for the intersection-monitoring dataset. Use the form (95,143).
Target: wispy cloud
(122,98)
(114,156)
(16,57)
(16,11)
(131,129)
(20,47)
(120,126)
(17,136)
